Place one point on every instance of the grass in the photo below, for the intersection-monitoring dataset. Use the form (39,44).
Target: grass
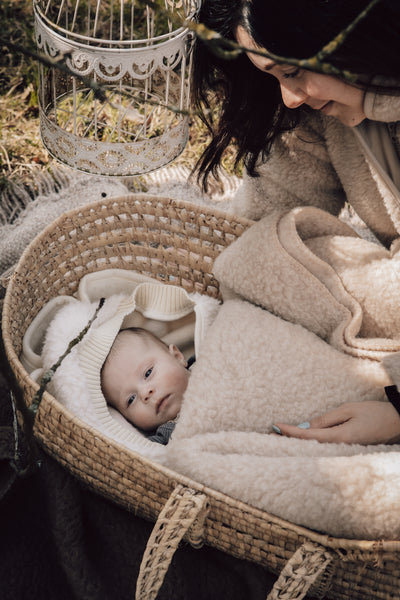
(21,150)
(20,146)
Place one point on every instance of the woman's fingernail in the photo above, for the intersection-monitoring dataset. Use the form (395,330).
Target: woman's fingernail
(276,429)
(305,425)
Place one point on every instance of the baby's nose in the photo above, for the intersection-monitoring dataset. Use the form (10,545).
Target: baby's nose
(147,393)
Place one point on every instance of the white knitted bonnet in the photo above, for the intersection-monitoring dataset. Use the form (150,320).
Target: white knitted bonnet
(76,383)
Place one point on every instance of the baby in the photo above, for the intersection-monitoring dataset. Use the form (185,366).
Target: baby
(144,379)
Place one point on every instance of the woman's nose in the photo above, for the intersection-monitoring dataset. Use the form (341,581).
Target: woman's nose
(292,97)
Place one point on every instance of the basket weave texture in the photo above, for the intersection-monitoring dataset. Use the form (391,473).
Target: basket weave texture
(176,243)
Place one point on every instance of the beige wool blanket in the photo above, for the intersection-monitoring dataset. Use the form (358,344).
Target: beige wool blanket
(310,320)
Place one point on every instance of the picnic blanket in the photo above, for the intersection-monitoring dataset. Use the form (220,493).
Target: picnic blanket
(310,320)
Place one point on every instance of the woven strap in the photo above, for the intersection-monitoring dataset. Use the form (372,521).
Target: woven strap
(184,513)
(311,562)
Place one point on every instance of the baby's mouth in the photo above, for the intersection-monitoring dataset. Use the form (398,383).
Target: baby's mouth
(161,402)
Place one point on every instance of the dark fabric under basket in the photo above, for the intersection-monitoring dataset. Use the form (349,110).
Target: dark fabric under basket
(176,243)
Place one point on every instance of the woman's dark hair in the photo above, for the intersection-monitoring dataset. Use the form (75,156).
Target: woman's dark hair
(248,103)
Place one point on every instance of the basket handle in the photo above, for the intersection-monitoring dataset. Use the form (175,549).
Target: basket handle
(310,562)
(184,513)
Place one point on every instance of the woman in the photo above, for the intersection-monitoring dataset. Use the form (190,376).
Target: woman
(310,136)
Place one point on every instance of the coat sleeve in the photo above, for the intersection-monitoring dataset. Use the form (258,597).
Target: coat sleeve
(298,172)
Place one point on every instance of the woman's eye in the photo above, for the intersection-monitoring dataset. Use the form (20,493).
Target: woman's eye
(131,399)
(148,373)
(292,74)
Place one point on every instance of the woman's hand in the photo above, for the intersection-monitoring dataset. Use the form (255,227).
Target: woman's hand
(369,422)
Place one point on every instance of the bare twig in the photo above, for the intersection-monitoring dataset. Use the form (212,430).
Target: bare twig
(48,375)
(58,63)
(228,49)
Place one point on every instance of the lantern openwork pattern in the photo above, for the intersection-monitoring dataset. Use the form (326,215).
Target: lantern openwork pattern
(141,57)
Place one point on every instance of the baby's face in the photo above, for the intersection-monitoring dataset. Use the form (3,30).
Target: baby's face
(145,381)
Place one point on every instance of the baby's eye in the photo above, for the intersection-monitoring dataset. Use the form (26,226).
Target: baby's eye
(292,74)
(148,373)
(131,399)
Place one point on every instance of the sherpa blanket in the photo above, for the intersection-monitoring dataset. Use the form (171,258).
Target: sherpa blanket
(309,320)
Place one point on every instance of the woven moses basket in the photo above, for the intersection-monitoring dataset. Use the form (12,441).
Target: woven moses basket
(173,242)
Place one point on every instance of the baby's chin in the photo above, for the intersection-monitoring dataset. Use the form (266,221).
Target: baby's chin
(171,410)
(171,416)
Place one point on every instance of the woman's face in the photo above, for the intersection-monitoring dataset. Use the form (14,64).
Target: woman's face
(325,93)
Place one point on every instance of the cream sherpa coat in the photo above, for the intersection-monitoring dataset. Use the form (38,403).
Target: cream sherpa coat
(331,322)
(323,163)
(333,318)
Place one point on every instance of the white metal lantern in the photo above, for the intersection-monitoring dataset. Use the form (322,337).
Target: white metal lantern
(141,60)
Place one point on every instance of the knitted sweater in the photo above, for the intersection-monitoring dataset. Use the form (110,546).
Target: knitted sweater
(163,433)
(324,163)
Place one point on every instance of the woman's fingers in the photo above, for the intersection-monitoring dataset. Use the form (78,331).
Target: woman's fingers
(325,428)
(334,417)
(338,433)
(369,422)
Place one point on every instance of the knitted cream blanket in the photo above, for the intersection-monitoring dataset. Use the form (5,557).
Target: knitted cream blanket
(310,317)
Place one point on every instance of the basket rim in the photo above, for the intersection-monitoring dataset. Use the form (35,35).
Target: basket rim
(144,197)
(330,542)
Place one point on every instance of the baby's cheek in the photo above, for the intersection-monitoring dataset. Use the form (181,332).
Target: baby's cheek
(185,380)
(137,416)
(177,380)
